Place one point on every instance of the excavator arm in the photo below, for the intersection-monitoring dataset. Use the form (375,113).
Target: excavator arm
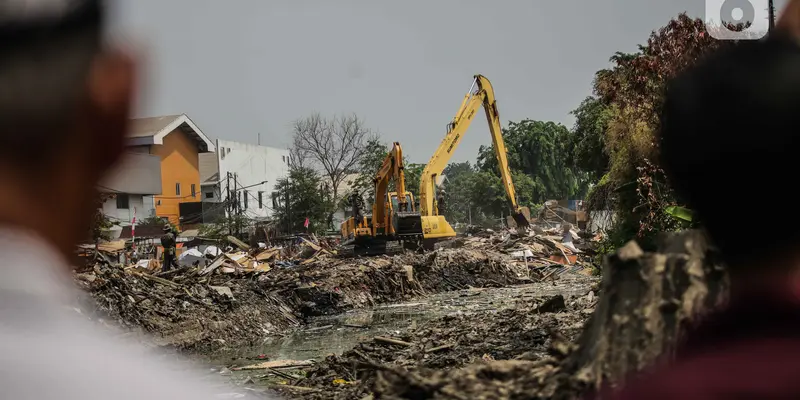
(391,169)
(480,94)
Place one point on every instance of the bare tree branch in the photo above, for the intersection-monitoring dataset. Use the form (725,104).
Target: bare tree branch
(298,158)
(335,145)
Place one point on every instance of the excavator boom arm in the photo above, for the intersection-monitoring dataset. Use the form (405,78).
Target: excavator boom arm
(391,169)
(484,96)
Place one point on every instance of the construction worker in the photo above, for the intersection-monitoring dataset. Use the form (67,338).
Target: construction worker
(168,242)
(66,96)
(728,122)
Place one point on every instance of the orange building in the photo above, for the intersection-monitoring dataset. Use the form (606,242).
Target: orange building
(178,142)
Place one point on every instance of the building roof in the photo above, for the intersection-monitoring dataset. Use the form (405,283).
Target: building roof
(147,131)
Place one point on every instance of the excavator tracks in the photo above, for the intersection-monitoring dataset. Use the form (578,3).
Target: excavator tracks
(370,249)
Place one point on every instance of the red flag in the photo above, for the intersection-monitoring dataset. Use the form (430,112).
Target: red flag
(305,224)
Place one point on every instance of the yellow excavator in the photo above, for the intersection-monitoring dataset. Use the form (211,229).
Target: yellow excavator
(434,225)
(394,219)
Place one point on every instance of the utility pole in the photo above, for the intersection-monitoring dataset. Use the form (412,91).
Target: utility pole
(238,197)
(228,202)
(259,138)
(288,205)
(771,11)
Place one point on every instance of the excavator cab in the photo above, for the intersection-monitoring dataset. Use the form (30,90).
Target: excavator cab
(395,205)
(406,223)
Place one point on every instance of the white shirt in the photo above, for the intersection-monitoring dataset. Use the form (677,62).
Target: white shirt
(48,350)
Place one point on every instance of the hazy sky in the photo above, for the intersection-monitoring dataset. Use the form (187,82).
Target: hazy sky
(240,67)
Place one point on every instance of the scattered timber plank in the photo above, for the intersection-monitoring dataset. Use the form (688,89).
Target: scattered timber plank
(298,388)
(281,374)
(156,279)
(356,326)
(240,244)
(385,340)
(314,246)
(214,265)
(276,364)
(440,348)
(318,328)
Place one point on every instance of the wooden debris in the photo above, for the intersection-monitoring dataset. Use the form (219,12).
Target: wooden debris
(440,348)
(386,340)
(276,364)
(240,244)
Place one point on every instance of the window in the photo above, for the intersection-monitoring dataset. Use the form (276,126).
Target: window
(246,195)
(209,195)
(275,200)
(178,189)
(123,201)
(260,199)
(194,190)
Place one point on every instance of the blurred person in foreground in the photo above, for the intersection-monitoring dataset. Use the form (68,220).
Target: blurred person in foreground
(730,134)
(65,99)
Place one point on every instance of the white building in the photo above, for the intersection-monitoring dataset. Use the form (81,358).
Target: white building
(134,182)
(251,171)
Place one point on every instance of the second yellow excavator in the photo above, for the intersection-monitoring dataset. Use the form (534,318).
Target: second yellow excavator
(394,219)
(481,93)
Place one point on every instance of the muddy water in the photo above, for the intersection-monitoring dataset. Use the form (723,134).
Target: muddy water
(336,334)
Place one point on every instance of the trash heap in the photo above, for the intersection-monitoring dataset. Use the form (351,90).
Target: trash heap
(234,298)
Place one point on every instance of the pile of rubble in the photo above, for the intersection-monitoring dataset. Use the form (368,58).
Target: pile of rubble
(240,296)
(185,309)
(533,329)
(540,350)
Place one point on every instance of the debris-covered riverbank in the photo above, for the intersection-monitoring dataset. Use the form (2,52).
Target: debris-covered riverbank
(532,329)
(238,299)
(542,350)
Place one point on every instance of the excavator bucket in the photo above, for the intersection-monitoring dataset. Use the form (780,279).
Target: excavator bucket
(520,219)
(407,223)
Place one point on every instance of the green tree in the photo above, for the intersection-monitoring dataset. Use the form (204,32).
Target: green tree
(302,196)
(454,170)
(375,152)
(538,149)
(479,197)
(413,174)
(631,93)
(585,146)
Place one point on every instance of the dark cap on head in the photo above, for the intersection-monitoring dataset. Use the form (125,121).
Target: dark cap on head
(730,144)
(167,228)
